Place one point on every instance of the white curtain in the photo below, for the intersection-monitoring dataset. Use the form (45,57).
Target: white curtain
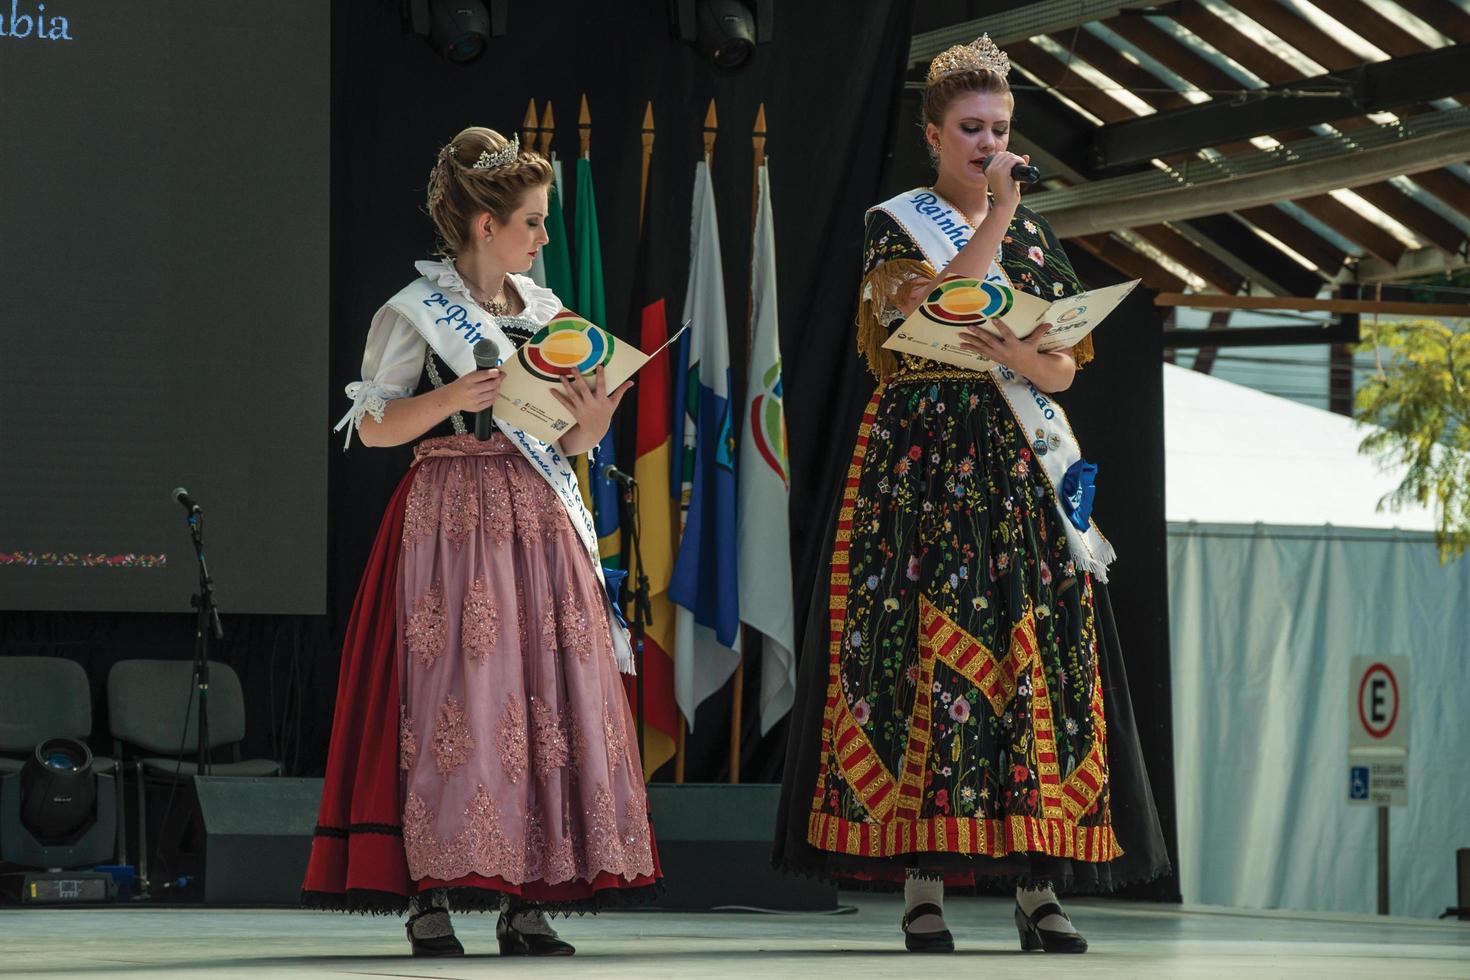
(1264,621)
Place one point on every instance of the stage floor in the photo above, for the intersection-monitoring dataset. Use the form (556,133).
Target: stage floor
(1128,940)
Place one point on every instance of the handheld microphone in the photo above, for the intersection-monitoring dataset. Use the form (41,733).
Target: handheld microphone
(487,355)
(1022,173)
(182,496)
(612,474)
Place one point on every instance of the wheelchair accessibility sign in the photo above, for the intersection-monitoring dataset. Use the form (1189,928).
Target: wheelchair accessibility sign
(1378,731)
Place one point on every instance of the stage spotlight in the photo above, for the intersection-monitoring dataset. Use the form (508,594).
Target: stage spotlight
(58,791)
(460,30)
(724,31)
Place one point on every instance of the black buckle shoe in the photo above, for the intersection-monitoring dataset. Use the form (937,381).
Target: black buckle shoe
(926,942)
(1033,937)
(438,945)
(513,942)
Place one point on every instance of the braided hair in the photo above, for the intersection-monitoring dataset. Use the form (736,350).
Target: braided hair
(458,190)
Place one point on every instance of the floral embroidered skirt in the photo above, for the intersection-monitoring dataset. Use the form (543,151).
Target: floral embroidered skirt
(517,757)
(953,710)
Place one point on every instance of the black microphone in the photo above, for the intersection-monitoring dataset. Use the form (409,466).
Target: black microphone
(487,355)
(615,475)
(1022,173)
(182,496)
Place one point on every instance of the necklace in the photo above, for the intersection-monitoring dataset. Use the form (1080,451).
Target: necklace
(492,306)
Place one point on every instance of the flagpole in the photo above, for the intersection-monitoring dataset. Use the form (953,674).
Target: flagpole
(711,130)
(529,127)
(584,127)
(548,128)
(647,162)
(634,522)
(758,143)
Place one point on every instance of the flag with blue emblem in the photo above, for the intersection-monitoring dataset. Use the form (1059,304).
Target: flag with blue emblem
(705,583)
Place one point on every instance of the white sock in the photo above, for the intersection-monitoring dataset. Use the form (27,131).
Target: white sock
(1034,897)
(918,891)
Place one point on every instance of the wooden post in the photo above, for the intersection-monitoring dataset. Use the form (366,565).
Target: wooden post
(529,128)
(758,141)
(584,127)
(647,163)
(548,128)
(679,748)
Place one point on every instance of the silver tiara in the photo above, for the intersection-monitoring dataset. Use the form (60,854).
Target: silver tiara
(490,160)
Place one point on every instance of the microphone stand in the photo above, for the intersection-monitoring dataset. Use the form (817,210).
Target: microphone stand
(638,595)
(207,625)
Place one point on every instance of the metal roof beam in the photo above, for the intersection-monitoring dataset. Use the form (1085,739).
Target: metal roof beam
(1019,24)
(1322,98)
(1417,264)
(1242,250)
(1057,140)
(1230,185)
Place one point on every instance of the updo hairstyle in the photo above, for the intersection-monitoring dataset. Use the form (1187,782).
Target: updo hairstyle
(458,190)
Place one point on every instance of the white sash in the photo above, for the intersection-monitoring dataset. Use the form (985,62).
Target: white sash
(941,230)
(452,326)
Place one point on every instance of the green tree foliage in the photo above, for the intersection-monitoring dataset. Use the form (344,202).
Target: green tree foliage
(1419,399)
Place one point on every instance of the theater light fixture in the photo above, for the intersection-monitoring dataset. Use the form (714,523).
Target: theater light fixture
(459,30)
(58,793)
(724,31)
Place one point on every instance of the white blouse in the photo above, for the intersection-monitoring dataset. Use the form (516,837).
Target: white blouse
(393,358)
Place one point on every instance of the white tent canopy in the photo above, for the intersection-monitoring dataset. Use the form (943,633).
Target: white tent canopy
(1281,569)
(1235,455)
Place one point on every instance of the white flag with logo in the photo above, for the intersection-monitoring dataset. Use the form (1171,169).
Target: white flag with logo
(765,532)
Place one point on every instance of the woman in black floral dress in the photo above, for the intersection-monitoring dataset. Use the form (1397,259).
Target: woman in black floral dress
(962,718)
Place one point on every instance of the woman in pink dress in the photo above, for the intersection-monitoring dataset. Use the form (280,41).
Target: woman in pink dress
(482,753)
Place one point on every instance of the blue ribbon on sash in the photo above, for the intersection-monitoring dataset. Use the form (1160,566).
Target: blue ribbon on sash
(1077,492)
(612,580)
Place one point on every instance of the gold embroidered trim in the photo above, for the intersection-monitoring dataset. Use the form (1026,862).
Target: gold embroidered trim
(837,599)
(1085,783)
(860,766)
(1044,747)
(942,374)
(967,656)
(964,835)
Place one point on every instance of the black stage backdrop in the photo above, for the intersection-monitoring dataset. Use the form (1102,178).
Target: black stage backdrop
(840,138)
(830,86)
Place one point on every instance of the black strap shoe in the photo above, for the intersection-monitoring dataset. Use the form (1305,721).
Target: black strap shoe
(926,942)
(513,942)
(440,945)
(1033,937)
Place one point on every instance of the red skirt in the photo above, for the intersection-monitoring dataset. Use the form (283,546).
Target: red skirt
(358,860)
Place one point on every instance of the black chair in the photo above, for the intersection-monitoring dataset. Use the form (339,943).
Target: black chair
(152,710)
(47,697)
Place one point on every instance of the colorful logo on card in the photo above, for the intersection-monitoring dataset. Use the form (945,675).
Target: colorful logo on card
(965,302)
(768,423)
(567,346)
